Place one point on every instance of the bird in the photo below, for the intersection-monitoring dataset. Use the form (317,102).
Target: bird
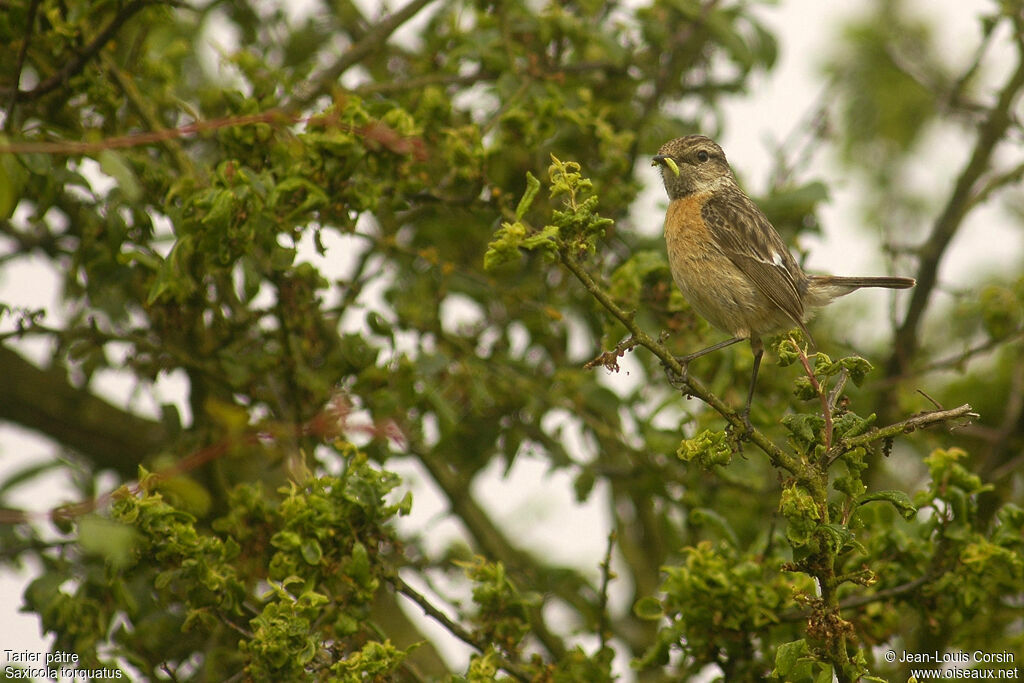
(728,259)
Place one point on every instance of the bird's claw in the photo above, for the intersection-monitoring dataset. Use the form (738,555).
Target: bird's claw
(748,428)
(677,380)
(737,435)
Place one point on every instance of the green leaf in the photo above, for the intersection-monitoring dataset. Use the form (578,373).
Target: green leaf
(545,240)
(222,211)
(804,428)
(803,389)
(898,499)
(297,196)
(174,279)
(113,164)
(787,655)
(851,424)
(359,567)
(312,553)
(378,324)
(788,352)
(648,609)
(404,506)
(857,367)
(823,365)
(839,538)
(503,250)
(801,513)
(12,182)
(282,257)
(113,541)
(532,187)
(709,449)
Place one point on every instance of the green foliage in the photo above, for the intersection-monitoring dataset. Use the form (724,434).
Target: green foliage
(575,229)
(883,102)
(503,617)
(321,548)
(801,512)
(712,599)
(707,449)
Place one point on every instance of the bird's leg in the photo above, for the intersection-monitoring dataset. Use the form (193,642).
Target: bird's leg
(684,360)
(677,380)
(758,348)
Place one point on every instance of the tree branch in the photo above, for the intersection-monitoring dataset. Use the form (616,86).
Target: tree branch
(19,67)
(44,401)
(823,398)
(78,62)
(420,82)
(990,133)
(861,600)
(371,41)
(492,541)
(913,423)
(452,626)
(776,455)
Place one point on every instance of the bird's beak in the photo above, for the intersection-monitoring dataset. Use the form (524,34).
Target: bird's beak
(665,160)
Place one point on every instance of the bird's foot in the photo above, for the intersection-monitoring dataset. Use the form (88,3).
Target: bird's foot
(748,428)
(678,381)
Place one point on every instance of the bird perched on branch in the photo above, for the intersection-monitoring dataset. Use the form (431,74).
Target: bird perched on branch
(728,259)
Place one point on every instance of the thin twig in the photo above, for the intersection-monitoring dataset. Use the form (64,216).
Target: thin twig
(997,181)
(776,455)
(963,357)
(30,23)
(990,133)
(826,413)
(956,361)
(938,406)
(862,600)
(913,423)
(452,626)
(610,359)
(420,82)
(374,39)
(493,542)
(606,578)
(376,131)
(78,62)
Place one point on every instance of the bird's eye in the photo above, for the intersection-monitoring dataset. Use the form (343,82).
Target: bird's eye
(702,156)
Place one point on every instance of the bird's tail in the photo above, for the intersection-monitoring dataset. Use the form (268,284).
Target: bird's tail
(824,288)
(888,282)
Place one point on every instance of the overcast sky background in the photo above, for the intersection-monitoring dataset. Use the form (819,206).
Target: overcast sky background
(537,507)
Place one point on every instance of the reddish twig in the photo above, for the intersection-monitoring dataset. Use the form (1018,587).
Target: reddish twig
(826,411)
(374,131)
(330,423)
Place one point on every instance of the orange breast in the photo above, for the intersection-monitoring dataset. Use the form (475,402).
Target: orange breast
(714,286)
(687,239)
(683,220)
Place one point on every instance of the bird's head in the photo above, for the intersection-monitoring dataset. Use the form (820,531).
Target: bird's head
(692,164)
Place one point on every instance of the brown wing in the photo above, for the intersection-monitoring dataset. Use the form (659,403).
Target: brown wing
(749,240)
